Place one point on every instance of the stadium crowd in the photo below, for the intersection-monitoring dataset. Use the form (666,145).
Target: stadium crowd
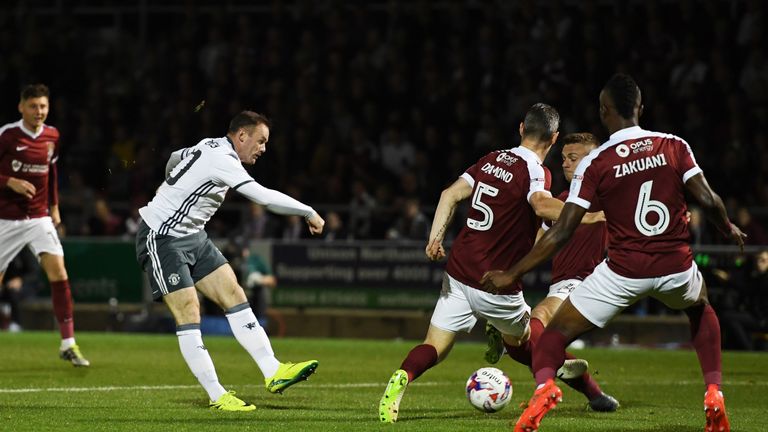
(376,105)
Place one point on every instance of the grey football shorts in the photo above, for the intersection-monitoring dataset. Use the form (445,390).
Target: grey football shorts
(173,263)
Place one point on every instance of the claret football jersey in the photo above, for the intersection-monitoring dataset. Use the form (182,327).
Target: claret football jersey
(501,225)
(638,176)
(29,156)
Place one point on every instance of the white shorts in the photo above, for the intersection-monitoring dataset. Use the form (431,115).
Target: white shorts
(38,233)
(564,288)
(460,305)
(604,294)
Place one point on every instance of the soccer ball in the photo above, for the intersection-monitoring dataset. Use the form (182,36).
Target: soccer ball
(489,390)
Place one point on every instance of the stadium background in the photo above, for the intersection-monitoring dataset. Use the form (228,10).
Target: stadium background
(376,106)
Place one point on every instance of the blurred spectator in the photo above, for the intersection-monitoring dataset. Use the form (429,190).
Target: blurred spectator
(750,316)
(334,228)
(14,288)
(259,283)
(755,233)
(103,222)
(361,208)
(293,229)
(697,227)
(412,223)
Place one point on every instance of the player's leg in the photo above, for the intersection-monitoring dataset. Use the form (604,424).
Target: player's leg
(220,285)
(688,291)
(44,242)
(162,258)
(185,308)
(452,314)
(584,383)
(599,298)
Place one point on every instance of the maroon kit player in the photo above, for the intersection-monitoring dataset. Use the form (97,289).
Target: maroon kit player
(508,192)
(29,210)
(640,179)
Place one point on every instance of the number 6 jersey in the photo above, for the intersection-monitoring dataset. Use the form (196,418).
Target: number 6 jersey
(638,176)
(197,180)
(501,225)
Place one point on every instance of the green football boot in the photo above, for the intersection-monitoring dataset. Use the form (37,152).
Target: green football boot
(289,374)
(390,402)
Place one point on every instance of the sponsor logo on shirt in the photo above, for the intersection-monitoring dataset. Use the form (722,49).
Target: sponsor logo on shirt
(506,158)
(17,166)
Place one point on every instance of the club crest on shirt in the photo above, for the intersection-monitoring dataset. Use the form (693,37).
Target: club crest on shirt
(15,165)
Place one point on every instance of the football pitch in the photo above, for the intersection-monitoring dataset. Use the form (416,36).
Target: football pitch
(140,383)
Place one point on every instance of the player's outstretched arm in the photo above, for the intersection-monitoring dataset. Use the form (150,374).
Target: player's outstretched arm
(446,207)
(713,206)
(553,239)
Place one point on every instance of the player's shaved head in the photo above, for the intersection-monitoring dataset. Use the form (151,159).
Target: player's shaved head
(583,138)
(34,91)
(624,94)
(541,122)
(248,120)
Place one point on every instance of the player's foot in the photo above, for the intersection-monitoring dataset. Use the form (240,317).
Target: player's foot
(543,400)
(714,409)
(604,403)
(289,374)
(572,368)
(74,355)
(390,402)
(495,344)
(228,402)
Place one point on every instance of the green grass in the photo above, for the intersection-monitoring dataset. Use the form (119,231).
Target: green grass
(140,383)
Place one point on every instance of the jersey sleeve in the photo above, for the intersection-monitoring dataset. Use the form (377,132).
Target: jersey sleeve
(584,184)
(540,180)
(3,150)
(686,162)
(53,175)
(174,160)
(470,174)
(274,201)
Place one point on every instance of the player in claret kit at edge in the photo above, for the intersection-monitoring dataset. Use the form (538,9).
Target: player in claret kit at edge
(640,179)
(173,248)
(570,266)
(29,206)
(509,192)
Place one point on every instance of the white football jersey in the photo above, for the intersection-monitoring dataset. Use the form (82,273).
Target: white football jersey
(196,186)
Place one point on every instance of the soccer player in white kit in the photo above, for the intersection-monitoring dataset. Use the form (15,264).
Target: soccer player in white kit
(640,178)
(174,250)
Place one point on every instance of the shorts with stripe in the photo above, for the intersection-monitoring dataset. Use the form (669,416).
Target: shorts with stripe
(173,263)
(37,233)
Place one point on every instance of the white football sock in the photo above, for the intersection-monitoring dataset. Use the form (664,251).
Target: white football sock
(253,338)
(66,343)
(198,360)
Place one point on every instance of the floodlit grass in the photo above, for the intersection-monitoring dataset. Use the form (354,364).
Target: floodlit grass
(140,383)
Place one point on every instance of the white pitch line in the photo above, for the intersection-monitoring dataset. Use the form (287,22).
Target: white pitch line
(347,385)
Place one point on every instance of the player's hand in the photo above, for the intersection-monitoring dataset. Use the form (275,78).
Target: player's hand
(316,224)
(593,217)
(55,215)
(435,250)
(22,187)
(495,281)
(737,236)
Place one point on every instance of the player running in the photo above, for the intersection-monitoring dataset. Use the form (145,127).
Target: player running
(173,248)
(509,191)
(569,267)
(640,178)
(29,206)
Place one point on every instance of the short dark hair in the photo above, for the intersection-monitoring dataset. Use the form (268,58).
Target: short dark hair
(34,91)
(541,122)
(585,138)
(247,119)
(624,93)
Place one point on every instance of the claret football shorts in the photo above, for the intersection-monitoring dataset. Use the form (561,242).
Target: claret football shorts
(460,305)
(38,233)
